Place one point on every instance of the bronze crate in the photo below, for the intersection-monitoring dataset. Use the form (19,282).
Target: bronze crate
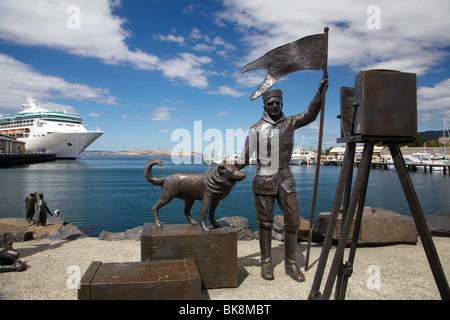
(162,280)
(387,103)
(215,253)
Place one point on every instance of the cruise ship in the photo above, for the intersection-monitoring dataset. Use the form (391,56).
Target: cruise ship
(45,131)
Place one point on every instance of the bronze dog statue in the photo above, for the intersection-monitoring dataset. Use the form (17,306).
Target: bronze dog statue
(209,187)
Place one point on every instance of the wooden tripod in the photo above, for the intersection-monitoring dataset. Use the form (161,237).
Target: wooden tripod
(355,203)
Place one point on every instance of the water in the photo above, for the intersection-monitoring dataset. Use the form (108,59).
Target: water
(110,193)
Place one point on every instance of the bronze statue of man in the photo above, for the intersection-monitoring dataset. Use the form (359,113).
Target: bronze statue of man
(272,138)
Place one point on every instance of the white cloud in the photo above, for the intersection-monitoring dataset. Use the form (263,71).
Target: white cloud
(172,38)
(51,106)
(44,23)
(197,34)
(19,79)
(93,114)
(188,68)
(250,79)
(99,34)
(203,47)
(173,101)
(222,113)
(226,90)
(433,103)
(218,41)
(411,38)
(163,113)
(201,42)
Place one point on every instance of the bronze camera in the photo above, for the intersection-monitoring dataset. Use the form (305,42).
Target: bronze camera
(384,104)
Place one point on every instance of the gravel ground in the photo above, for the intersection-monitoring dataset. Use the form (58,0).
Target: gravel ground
(399,272)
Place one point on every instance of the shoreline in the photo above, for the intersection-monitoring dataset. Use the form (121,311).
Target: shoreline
(401,271)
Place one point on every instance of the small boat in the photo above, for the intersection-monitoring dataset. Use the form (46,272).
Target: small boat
(297,159)
(421,158)
(214,159)
(302,157)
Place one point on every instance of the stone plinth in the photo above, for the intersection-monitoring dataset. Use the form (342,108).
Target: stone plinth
(378,227)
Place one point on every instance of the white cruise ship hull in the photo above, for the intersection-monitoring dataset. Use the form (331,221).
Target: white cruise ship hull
(66,145)
(45,131)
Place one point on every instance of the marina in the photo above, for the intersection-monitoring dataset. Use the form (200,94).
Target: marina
(426,167)
(381,159)
(426,159)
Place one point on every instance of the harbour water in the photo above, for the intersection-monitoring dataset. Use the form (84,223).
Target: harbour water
(110,193)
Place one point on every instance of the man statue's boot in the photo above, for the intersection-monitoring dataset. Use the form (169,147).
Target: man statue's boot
(290,263)
(265,244)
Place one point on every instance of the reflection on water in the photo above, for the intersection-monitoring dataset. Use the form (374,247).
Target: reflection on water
(110,193)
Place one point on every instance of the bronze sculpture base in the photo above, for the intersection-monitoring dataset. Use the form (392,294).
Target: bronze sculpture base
(162,280)
(214,253)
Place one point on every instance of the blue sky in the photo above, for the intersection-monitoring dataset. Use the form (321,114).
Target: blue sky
(142,71)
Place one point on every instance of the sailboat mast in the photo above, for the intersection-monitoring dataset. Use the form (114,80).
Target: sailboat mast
(444,125)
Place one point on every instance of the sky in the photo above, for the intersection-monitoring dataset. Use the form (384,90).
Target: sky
(166,74)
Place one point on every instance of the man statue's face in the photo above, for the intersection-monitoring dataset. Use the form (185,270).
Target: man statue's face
(274,106)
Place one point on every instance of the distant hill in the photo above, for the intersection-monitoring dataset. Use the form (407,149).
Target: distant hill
(431,135)
(150,153)
(426,135)
(98,153)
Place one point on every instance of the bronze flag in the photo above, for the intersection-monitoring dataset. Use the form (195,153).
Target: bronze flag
(307,53)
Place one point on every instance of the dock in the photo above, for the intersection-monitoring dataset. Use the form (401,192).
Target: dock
(431,167)
(16,159)
(427,167)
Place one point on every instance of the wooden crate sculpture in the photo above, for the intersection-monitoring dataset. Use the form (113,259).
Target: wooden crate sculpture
(150,280)
(215,253)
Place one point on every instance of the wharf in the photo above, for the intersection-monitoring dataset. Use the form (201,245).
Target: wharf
(15,159)
(388,165)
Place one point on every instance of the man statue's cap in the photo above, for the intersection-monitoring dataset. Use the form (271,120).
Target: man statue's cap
(272,93)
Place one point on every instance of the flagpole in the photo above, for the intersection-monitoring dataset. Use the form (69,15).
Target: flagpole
(319,147)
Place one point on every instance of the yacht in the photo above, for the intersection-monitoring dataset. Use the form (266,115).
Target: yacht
(300,156)
(421,158)
(45,131)
(297,159)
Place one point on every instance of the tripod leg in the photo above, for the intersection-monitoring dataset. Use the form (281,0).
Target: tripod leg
(361,182)
(348,191)
(345,171)
(419,220)
(347,268)
(347,194)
